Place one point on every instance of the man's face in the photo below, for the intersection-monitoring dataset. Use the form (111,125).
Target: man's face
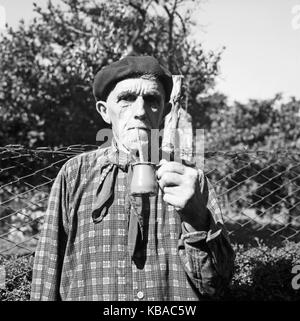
(134,103)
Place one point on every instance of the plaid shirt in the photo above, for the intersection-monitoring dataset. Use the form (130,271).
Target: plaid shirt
(77,259)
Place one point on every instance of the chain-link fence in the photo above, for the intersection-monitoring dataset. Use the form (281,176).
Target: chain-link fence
(259,193)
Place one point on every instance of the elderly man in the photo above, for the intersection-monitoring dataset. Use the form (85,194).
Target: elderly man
(99,242)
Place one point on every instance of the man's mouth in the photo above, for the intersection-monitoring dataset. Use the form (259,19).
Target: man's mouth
(139,127)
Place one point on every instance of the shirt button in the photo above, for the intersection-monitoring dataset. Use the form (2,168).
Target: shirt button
(140,295)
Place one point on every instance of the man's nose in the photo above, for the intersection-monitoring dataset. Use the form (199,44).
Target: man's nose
(139,108)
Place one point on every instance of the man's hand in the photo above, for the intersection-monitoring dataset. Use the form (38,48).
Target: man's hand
(180,185)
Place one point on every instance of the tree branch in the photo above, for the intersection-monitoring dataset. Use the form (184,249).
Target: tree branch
(170,36)
(141,11)
(182,22)
(67,26)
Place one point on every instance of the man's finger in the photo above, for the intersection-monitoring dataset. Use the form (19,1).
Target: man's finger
(173,167)
(172,200)
(173,190)
(169,179)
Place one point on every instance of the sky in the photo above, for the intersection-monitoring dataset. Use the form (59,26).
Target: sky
(261,40)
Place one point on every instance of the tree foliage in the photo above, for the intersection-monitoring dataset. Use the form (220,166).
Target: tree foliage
(262,140)
(269,125)
(47,67)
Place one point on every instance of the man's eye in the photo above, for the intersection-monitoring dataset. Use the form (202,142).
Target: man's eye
(151,99)
(128,98)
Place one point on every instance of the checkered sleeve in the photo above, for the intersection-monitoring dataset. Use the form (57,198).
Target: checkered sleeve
(207,256)
(49,253)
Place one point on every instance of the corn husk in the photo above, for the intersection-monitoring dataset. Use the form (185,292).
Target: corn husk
(178,131)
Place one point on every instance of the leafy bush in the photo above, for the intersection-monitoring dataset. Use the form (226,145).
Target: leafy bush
(18,278)
(261,273)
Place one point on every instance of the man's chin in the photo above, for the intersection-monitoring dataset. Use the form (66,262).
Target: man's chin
(133,147)
(127,146)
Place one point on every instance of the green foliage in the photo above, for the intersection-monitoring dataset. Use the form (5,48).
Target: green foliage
(257,125)
(18,278)
(47,68)
(264,135)
(264,273)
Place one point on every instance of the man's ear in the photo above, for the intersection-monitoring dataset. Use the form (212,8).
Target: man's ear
(101,107)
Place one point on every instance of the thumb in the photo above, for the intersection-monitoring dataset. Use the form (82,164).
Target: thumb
(162,161)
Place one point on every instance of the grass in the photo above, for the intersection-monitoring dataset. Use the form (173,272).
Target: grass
(261,273)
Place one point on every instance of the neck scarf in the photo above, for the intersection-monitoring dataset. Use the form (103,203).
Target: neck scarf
(104,197)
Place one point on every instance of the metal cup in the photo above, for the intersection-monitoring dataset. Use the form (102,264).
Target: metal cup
(143,179)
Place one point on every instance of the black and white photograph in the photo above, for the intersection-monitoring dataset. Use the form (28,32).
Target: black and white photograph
(150,151)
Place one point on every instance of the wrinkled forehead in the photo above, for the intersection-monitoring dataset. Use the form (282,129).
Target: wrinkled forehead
(139,85)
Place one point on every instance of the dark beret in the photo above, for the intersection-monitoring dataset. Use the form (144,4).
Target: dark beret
(128,67)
